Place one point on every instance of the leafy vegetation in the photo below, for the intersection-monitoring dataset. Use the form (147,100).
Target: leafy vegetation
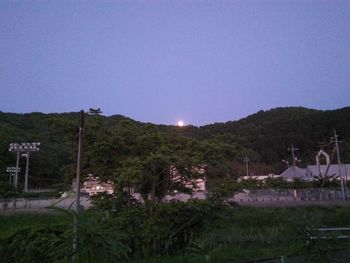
(198,231)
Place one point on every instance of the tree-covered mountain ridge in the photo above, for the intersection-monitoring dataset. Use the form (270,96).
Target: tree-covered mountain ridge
(264,136)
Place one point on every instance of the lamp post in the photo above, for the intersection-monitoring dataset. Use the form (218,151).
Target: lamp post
(25,148)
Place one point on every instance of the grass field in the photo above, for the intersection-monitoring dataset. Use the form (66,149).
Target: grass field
(238,234)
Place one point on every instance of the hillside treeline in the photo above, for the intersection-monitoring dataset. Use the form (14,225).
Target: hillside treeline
(128,151)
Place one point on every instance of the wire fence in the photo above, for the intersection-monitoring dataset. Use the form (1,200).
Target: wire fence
(250,197)
(40,203)
(290,195)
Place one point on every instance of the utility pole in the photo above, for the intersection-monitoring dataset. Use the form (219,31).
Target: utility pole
(246,160)
(77,183)
(336,143)
(80,149)
(293,150)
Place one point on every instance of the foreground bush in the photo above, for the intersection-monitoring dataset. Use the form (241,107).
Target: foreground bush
(111,237)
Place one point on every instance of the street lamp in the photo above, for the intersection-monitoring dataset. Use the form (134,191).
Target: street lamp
(12,171)
(25,148)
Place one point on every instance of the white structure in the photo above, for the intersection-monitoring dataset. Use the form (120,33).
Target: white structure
(92,186)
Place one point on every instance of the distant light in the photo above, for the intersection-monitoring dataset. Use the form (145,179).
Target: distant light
(180,123)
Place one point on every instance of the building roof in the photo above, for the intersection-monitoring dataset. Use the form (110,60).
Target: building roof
(295,172)
(313,170)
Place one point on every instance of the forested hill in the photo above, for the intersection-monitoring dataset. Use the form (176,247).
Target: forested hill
(271,132)
(264,136)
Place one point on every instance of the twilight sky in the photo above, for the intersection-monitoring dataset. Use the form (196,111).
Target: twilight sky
(161,61)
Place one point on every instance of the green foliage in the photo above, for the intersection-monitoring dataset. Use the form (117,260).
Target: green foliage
(198,231)
(113,202)
(202,251)
(169,228)
(98,240)
(110,236)
(7,190)
(280,183)
(326,181)
(221,189)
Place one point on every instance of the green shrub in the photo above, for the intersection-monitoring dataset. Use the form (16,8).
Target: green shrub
(97,241)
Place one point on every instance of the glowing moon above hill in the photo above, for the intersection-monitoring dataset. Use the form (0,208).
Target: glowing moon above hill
(180,123)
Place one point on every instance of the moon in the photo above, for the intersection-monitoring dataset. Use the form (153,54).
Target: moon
(180,123)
